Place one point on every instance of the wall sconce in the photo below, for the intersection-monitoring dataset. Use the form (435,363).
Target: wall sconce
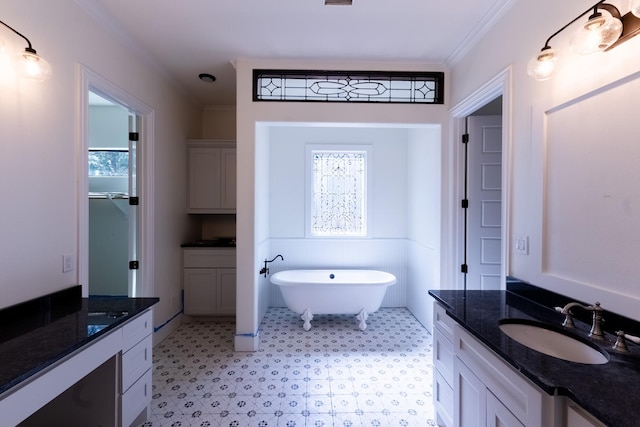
(32,66)
(601,32)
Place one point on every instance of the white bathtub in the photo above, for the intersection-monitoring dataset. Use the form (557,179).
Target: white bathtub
(310,292)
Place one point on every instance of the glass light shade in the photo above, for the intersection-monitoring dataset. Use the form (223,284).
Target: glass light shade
(33,67)
(635,8)
(596,35)
(542,66)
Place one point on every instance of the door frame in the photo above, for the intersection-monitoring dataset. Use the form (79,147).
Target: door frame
(453,185)
(89,80)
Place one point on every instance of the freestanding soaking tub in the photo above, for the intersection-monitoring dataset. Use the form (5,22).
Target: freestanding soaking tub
(309,292)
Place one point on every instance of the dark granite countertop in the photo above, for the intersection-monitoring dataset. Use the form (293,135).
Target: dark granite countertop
(606,390)
(221,242)
(36,334)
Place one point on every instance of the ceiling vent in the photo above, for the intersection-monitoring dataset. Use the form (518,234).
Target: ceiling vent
(338,2)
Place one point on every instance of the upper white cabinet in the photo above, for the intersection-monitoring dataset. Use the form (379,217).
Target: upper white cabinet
(211,176)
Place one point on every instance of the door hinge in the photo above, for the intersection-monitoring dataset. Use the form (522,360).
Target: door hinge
(134,265)
(465,203)
(134,136)
(465,138)
(464,268)
(134,201)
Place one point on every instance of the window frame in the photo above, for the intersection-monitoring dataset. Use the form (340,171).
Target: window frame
(288,86)
(309,179)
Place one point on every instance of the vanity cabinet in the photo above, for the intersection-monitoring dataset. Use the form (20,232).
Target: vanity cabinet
(486,385)
(443,366)
(578,417)
(106,383)
(209,281)
(135,366)
(473,386)
(211,177)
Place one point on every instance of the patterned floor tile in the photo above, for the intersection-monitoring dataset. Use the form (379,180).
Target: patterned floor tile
(334,375)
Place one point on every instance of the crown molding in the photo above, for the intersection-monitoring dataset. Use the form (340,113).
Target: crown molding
(493,15)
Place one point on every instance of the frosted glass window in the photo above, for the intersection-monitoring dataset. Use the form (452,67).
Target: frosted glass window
(338,206)
(108,162)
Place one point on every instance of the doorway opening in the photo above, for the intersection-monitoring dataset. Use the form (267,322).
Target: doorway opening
(113,213)
(483,198)
(476,215)
(115,166)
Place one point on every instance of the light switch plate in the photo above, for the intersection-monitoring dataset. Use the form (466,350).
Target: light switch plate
(67,263)
(521,245)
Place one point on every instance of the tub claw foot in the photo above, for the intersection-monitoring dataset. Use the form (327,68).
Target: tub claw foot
(307,317)
(362,317)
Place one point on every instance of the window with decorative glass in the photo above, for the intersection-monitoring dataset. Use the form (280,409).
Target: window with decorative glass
(338,202)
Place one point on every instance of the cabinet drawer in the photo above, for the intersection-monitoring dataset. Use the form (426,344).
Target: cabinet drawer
(443,356)
(443,401)
(209,258)
(137,329)
(442,321)
(136,399)
(136,362)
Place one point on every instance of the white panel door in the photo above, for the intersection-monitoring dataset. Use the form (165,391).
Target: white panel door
(484,195)
(470,397)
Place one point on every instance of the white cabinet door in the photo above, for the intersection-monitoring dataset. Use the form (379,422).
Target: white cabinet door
(200,291)
(211,177)
(228,178)
(204,179)
(470,397)
(226,292)
(442,400)
(498,415)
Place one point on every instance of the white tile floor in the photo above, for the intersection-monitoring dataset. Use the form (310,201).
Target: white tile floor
(333,375)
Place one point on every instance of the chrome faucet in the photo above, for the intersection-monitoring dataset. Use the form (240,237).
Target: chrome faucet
(596,326)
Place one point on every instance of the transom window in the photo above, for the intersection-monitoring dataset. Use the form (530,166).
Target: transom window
(338,202)
(349,86)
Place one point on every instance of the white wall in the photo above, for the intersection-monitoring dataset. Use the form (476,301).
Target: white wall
(289,165)
(424,198)
(39,140)
(573,194)
(253,116)
(388,166)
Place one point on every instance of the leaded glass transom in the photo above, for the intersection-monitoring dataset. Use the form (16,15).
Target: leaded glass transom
(339,183)
(349,86)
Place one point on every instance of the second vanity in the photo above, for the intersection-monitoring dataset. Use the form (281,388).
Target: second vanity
(482,377)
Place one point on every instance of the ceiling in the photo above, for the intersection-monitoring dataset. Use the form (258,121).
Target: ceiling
(185,38)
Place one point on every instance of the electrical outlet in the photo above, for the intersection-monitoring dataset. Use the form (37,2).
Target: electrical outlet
(67,263)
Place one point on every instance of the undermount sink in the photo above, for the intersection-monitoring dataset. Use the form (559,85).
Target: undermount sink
(540,337)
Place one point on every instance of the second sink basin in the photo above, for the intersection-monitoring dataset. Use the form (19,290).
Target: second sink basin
(540,337)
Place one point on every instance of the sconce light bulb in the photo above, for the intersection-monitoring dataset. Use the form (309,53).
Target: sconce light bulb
(34,67)
(596,35)
(542,66)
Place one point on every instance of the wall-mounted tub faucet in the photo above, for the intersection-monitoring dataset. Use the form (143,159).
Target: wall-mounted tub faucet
(265,269)
(596,327)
